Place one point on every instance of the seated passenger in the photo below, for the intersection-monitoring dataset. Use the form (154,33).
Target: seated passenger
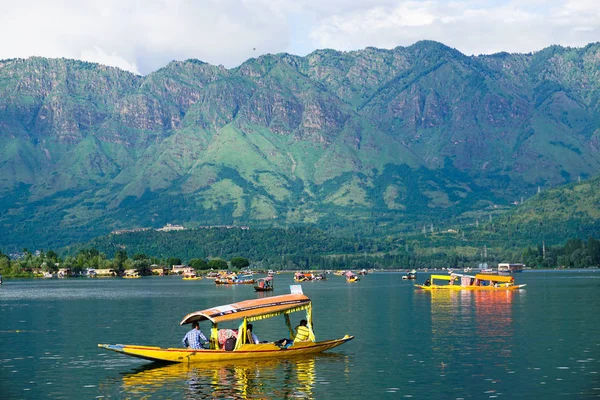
(252,338)
(225,334)
(302,332)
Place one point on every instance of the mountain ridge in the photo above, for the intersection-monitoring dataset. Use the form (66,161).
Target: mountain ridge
(284,139)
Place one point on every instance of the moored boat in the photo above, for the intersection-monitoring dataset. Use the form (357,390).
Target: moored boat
(191,276)
(508,268)
(131,274)
(246,311)
(470,282)
(212,275)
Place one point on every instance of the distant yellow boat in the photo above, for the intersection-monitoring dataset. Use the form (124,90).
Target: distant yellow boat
(247,311)
(191,277)
(469,282)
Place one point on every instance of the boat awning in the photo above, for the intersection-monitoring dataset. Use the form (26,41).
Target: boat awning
(251,309)
(267,278)
(441,277)
(495,278)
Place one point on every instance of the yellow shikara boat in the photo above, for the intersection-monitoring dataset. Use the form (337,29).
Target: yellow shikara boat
(469,282)
(191,277)
(247,311)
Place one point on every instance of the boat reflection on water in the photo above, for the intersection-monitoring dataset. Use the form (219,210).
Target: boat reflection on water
(444,314)
(472,322)
(494,321)
(294,377)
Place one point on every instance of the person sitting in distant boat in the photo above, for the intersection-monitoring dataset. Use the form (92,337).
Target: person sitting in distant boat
(427,282)
(194,339)
(252,338)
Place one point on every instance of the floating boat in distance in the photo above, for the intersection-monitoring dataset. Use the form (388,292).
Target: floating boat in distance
(191,276)
(234,279)
(507,268)
(410,275)
(351,277)
(469,282)
(363,272)
(303,277)
(246,311)
(264,284)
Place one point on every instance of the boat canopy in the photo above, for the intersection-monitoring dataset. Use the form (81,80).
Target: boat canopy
(495,278)
(441,277)
(251,310)
(266,278)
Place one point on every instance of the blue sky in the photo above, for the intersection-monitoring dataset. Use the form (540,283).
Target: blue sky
(142,36)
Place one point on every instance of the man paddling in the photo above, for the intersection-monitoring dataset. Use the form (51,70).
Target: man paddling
(194,339)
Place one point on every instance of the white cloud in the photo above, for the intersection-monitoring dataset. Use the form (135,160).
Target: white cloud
(97,55)
(471,26)
(142,36)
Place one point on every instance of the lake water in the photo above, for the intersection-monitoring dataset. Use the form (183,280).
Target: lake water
(538,343)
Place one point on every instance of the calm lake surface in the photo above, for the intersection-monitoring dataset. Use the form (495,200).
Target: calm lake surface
(538,343)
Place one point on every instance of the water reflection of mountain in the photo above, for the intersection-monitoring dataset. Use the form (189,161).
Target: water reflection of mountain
(291,378)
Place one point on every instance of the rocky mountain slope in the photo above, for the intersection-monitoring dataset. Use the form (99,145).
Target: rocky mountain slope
(353,141)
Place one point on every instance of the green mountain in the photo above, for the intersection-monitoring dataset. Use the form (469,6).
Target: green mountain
(358,142)
(550,217)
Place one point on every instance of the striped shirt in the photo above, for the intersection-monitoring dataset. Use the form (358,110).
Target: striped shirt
(302,334)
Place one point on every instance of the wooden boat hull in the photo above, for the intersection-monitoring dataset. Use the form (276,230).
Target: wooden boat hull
(476,288)
(259,289)
(247,351)
(192,279)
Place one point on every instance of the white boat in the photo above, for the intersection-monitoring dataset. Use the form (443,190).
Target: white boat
(410,275)
(508,268)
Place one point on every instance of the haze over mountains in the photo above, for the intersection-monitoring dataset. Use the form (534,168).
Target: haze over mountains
(350,140)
